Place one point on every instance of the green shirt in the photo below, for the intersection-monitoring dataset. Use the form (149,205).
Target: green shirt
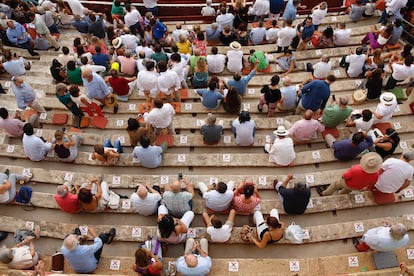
(117,10)
(259,55)
(74,76)
(159,56)
(333,115)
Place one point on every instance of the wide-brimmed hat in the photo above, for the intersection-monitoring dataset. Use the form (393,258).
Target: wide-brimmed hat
(235,45)
(359,96)
(388,98)
(371,162)
(281,131)
(116,42)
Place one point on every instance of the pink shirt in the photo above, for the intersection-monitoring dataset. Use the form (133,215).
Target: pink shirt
(243,206)
(69,203)
(13,127)
(304,129)
(128,65)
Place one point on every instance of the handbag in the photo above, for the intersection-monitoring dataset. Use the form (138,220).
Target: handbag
(114,200)
(294,233)
(246,229)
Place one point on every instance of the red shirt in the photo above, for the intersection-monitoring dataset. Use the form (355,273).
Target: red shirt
(357,179)
(69,204)
(241,206)
(119,85)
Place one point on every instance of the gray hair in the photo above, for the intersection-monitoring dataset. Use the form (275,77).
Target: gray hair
(211,119)
(408,155)
(398,231)
(71,242)
(343,100)
(61,191)
(325,58)
(6,255)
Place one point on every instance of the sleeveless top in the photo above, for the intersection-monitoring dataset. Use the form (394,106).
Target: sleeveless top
(271,239)
(62,151)
(200,79)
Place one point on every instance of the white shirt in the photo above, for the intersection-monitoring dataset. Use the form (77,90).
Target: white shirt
(130,41)
(147,81)
(34,148)
(216,63)
(234,60)
(272,34)
(402,72)
(257,35)
(385,111)
(396,172)
(321,69)
(356,62)
(380,239)
(222,234)
(150,3)
(318,15)
(145,206)
(282,151)
(160,117)
(208,11)
(360,124)
(176,33)
(260,7)
(224,19)
(132,17)
(94,68)
(15,67)
(76,7)
(147,50)
(168,82)
(341,37)
(286,36)
(394,6)
(217,201)
(244,132)
(180,68)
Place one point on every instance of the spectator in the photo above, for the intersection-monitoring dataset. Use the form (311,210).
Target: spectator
(34,147)
(271,96)
(276,7)
(176,200)
(240,11)
(232,101)
(396,32)
(106,153)
(147,262)
(258,34)
(136,131)
(213,34)
(41,29)
(149,156)
(172,230)
(348,149)
(243,35)
(378,38)
(224,19)
(145,199)
(219,196)
(93,196)
(235,57)
(200,43)
(128,64)
(8,186)
(385,108)
(66,146)
(386,145)
(210,131)
(58,71)
(303,130)
(392,9)
(84,103)
(246,198)
(244,129)
(74,73)
(318,14)
(147,80)
(359,177)
(96,26)
(296,199)
(326,40)
(158,54)
(288,91)
(81,25)
(13,126)
(357,10)
(200,77)
(195,261)
(219,232)
(241,83)
(383,238)
(268,232)
(342,35)
(363,122)
(282,152)
(64,97)
(273,32)
(374,83)
(25,95)
(259,61)
(400,71)
(211,97)
(132,19)
(184,45)
(227,35)
(354,63)
(121,87)
(216,62)
(336,113)
(291,9)
(306,34)
(151,6)
(320,70)
(286,62)
(208,10)
(85,258)
(160,116)
(259,9)
(285,35)
(18,36)
(14,65)
(66,200)
(65,56)
(168,81)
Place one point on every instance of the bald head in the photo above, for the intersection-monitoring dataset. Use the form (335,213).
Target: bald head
(71,242)
(287,81)
(142,192)
(398,231)
(343,100)
(308,114)
(191,260)
(176,186)
(87,73)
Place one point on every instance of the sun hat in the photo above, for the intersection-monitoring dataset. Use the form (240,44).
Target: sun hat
(116,42)
(387,98)
(235,45)
(281,131)
(359,96)
(371,162)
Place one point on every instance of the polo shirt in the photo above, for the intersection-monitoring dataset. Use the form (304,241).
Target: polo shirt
(357,179)
(69,203)
(119,85)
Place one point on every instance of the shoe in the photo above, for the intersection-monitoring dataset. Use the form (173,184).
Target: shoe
(320,189)
(275,184)
(259,108)
(77,232)
(355,241)
(7,172)
(3,235)
(57,49)
(112,234)
(116,109)
(34,53)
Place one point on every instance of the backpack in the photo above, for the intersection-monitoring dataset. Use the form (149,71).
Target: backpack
(24,195)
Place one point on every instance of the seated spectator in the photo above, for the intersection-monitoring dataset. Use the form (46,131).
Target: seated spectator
(177,200)
(85,258)
(258,34)
(224,18)
(168,81)
(336,113)
(289,95)
(378,38)
(18,36)
(208,10)
(235,57)
(64,97)
(396,32)
(259,9)
(357,10)
(58,71)
(272,33)
(227,35)
(219,232)
(282,152)
(66,146)
(295,200)
(359,177)
(374,83)
(178,63)
(268,232)
(158,54)
(200,43)
(145,199)
(385,145)
(195,261)
(258,60)
(97,42)
(211,97)
(303,130)
(66,200)
(383,238)
(341,35)
(241,83)
(400,71)
(353,63)
(242,35)
(121,87)
(160,117)
(213,33)
(246,198)
(13,126)
(232,101)
(14,65)
(8,185)
(385,108)
(210,131)
(363,122)
(172,230)
(93,196)
(285,36)
(74,73)
(184,45)
(149,156)
(100,59)
(106,153)
(136,130)
(147,80)
(216,62)
(84,103)
(373,61)
(244,129)
(306,34)
(320,70)
(218,196)
(326,39)
(286,62)
(271,96)
(146,262)
(25,95)
(34,147)
(94,68)
(65,56)
(128,64)
(200,77)
(348,149)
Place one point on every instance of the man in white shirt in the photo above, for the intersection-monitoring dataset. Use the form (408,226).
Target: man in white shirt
(15,66)
(208,10)
(34,147)
(353,63)
(258,34)
(132,20)
(129,40)
(218,231)
(144,47)
(224,19)
(400,72)
(216,62)
(219,196)
(342,35)
(259,9)
(151,6)
(318,14)
(235,58)
(145,200)
(168,81)
(285,36)
(320,70)
(161,116)
(179,31)
(392,8)
(272,33)
(385,108)
(147,80)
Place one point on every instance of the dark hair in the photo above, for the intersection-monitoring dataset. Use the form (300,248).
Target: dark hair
(117,3)
(200,35)
(176,57)
(212,85)
(4,113)
(79,50)
(114,73)
(406,50)
(98,49)
(71,65)
(157,48)
(216,222)
(28,129)
(408,60)
(56,63)
(244,117)
(133,124)
(331,78)
(85,195)
(84,60)
(274,80)
(300,188)
(144,141)
(174,48)
(77,41)
(92,17)
(141,258)
(376,73)
(128,7)
(393,134)
(366,115)
(233,99)
(162,66)
(248,191)
(158,103)
(214,50)
(359,50)
(65,50)
(74,90)
(273,222)
(150,65)
(221,187)
(328,32)
(357,138)
(166,225)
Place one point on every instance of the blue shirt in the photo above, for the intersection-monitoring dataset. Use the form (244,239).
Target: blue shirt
(315,95)
(82,258)
(97,88)
(241,85)
(290,11)
(344,150)
(24,94)
(13,34)
(289,92)
(202,268)
(307,31)
(150,157)
(34,147)
(100,59)
(210,98)
(158,30)
(81,26)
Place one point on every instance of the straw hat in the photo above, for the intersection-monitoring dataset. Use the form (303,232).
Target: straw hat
(116,42)
(371,162)
(235,45)
(281,131)
(359,96)
(388,98)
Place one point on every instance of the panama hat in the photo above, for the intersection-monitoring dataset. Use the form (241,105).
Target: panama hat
(359,96)
(388,98)
(371,162)
(281,131)
(235,45)
(117,42)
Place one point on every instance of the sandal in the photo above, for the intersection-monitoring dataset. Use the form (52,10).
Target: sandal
(112,234)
